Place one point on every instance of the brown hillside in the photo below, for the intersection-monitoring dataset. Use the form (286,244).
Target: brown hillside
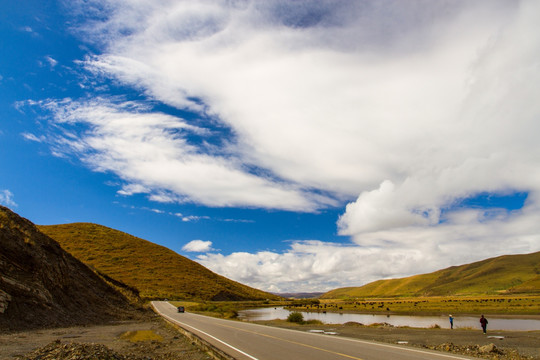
(41,285)
(157,272)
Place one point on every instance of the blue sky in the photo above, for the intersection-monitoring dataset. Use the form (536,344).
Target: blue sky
(291,146)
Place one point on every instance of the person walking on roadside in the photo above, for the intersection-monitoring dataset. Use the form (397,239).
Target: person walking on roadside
(483,322)
(451,321)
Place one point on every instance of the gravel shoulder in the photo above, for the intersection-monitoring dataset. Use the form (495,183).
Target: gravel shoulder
(160,341)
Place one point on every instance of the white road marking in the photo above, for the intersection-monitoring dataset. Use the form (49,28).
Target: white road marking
(202,332)
(402,348)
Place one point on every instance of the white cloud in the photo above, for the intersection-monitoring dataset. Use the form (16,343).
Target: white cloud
(194,218)
(198,246)
(52,62)
(6,198)
(151,152)
(31,137)
(341,98)
(404,106)
(467,236)
(381,209)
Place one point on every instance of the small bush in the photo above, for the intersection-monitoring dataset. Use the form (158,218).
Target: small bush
(232,314)
(296,317)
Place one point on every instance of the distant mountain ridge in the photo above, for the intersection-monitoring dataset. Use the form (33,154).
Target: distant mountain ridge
(508,274)
(157,272)
(301,295)
(41,285)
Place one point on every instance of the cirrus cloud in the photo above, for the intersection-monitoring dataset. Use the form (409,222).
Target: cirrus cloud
(153,154)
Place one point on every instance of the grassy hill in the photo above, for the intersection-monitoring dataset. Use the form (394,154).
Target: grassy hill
(509,274)
(157,272)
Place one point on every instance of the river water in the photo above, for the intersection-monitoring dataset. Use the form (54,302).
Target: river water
(396,320)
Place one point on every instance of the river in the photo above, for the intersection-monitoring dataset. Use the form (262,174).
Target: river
(495,323)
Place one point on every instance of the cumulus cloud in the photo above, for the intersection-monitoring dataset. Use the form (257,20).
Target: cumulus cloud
(198,246)
(398,109)
(6,198)
(465,237)
(382,208)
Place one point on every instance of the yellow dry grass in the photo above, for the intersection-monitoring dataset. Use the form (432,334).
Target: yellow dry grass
(155,271)
(503,275)
(141,335)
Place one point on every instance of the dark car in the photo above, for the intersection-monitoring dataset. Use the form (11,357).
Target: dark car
(181,309)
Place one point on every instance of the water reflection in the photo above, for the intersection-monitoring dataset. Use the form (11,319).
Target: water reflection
(395,320)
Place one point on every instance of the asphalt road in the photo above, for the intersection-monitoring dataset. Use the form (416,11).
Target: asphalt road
(243,340)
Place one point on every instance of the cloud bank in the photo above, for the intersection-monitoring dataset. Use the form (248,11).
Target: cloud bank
(398,110)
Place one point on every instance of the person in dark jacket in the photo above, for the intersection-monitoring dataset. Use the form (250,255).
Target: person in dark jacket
(451,318)
(483,322)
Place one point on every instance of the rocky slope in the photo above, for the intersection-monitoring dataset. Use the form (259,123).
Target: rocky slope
(41,285)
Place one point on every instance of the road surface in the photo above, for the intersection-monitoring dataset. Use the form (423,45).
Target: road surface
(243,340)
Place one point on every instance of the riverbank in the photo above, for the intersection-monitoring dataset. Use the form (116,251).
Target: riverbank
(419,320)
(509,345)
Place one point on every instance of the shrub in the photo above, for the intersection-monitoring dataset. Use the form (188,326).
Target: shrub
(295,317)
(232,314)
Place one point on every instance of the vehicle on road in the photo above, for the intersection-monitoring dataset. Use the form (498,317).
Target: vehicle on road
(181,309)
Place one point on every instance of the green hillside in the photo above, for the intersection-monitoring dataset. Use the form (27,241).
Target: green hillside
(157,272)
(508,274)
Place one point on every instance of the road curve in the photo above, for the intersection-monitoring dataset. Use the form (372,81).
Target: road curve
(243,340)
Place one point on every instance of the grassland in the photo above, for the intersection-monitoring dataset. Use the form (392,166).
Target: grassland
(503,275)
(155,271)
(507,284)
(500,305)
